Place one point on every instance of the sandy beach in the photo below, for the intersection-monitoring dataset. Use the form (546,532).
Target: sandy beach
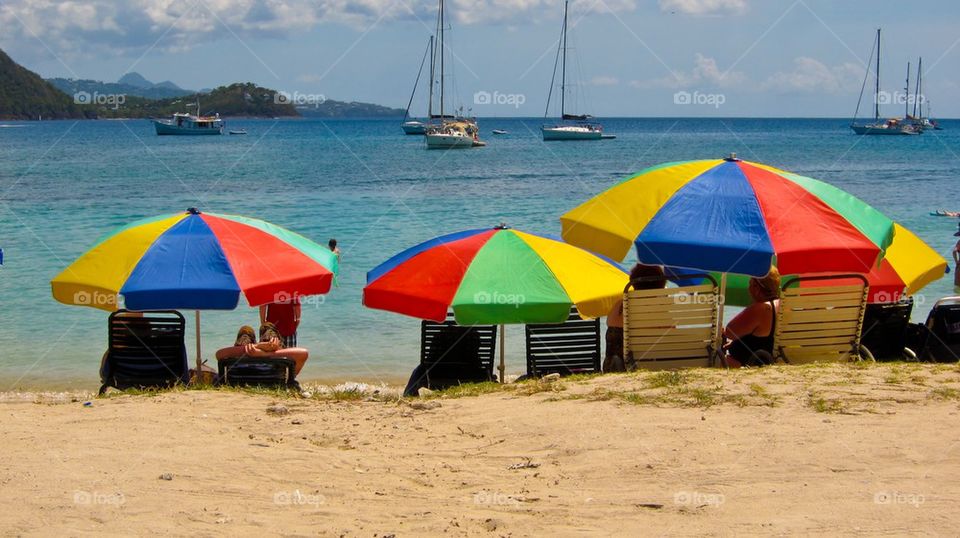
(784,450)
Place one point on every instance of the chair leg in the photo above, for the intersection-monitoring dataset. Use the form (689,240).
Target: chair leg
(103,390)
(864,354)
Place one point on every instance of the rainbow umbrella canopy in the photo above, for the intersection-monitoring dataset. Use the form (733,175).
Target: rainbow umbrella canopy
(196,261)
(908,266)
(495,276)
(731,216)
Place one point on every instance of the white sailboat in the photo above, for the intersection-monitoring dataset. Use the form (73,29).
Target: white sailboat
(571,126)
(414,126)
(453,131)
(891,126)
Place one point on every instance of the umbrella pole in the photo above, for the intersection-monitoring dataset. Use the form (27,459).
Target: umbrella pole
(199,360)
(503,364)
(720,307)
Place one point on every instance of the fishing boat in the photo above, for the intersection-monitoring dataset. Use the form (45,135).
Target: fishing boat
(892,126)
(413,126)
(571,126)
(455,131)
(187,124)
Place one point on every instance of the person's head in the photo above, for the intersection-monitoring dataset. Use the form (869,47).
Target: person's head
(766,288)
(246,336)
(268,331)
(332,244)
(643,271)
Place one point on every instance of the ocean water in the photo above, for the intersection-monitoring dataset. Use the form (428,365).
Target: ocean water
(65,184)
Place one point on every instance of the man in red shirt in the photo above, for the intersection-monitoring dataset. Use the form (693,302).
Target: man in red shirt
(285,317)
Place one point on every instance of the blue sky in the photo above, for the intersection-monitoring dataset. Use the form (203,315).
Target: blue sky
(631,57)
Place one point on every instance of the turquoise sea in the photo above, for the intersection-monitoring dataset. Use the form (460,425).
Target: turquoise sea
(64,184)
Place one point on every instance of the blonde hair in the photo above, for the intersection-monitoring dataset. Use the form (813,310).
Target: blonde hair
(769,285)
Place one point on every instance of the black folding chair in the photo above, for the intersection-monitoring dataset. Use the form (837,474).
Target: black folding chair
(941,341)
(884,330)
(452,354)
(258,372)
(145,351)
(565,348)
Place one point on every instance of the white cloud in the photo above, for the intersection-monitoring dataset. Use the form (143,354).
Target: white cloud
(810,75)
(704,73)
(704,8)
(121,26)
(604,80)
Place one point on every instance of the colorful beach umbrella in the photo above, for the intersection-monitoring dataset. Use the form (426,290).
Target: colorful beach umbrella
(909,265)
(196,261)
(731,216)
(495,276)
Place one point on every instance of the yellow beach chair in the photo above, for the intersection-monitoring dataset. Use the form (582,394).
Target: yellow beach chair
(672,327)
(821,323)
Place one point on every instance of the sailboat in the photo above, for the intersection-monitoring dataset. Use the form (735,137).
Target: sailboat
(454,131)
(580,128)
(924,122)
(892,126)
(412,126)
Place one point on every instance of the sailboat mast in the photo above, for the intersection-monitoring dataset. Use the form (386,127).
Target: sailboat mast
(441,58)
(917,96)
(432,67)
(876,95)
(563,67)
(906,89)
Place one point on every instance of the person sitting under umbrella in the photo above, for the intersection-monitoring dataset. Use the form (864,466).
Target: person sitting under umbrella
(750,334)
(269,346)
(615,361)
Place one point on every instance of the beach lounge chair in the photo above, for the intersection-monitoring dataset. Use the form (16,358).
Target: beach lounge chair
(672,327)
(145,351)
(565,348)
(258,372)
(884,332)
(821,323)
(452,354)
(941,333)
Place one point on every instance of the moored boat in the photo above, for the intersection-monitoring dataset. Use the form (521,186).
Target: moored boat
(183,123)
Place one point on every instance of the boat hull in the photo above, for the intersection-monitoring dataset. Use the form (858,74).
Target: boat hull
(164,128)
(876,130)
(449,141)
(562,133)
(414,128)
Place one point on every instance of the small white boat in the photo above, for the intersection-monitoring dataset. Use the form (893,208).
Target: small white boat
(238,131)
(499,132)
(414,127)
(183,123)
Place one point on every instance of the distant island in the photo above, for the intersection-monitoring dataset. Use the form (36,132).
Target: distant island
(24,95)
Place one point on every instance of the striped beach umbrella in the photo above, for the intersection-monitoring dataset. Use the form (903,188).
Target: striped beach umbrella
(495,276)
(196,261)
(731,216)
